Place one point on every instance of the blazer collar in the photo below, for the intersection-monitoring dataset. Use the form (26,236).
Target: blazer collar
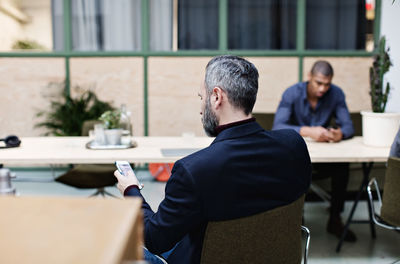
(238,131)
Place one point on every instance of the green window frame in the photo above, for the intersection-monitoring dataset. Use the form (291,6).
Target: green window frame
(300,52)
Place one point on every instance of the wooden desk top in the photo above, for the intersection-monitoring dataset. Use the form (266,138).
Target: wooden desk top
(350,150)
(70,230)
(67,150)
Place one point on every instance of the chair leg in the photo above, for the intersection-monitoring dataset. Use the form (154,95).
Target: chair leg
(101,191)
(306,231)
(371,222)
(95,194)
(110,194)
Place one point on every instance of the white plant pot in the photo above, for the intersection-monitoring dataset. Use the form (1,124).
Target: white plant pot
(113,136)
(379,129)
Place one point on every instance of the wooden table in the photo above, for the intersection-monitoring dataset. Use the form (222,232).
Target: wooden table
(70,230)
(350,150)
(67,150)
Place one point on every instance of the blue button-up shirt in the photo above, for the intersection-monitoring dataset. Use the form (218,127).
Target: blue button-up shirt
(294,110)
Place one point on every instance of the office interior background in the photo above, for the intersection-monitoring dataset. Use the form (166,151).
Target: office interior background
(151,54)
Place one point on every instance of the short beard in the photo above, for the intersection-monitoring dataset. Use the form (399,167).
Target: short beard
(209,120)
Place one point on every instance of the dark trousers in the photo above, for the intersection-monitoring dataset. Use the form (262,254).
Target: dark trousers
(339,174)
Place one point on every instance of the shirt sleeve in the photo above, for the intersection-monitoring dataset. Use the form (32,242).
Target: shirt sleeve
(177,214)
(282,119)
(395,148)
(343,119)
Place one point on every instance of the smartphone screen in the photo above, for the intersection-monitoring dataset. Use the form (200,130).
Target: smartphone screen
(123,167)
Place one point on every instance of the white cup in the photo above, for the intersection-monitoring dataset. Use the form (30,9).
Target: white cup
(99,136)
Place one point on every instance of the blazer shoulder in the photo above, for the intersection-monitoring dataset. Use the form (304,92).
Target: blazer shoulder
(285,133)
(288,136)
(201,156)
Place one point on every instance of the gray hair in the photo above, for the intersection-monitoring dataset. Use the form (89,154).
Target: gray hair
(237,77)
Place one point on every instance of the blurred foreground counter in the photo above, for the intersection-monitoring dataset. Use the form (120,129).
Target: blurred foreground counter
(70,230)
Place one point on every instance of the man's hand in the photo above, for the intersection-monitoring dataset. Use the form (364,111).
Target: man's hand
(124,181)
(336,133)
(319,134)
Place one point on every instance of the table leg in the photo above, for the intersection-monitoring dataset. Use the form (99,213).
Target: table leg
(366,170)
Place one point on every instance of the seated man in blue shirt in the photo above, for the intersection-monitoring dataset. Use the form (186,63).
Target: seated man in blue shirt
(308,107)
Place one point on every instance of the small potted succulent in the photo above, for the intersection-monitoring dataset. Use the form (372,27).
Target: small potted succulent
(112,126)
(379,127)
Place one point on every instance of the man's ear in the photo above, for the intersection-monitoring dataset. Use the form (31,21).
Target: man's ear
(309,75)
(217,97)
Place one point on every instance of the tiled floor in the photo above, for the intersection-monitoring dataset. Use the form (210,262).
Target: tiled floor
(384,249)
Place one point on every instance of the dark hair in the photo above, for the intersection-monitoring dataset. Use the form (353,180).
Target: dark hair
(322,67)
(237,77)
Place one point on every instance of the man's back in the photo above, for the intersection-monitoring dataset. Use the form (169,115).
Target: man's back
(245,171)
(247,161)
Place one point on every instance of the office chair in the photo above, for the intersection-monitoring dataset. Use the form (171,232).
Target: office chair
(161,171)
(306,231)
(389,216)
(90,176)
(269,237)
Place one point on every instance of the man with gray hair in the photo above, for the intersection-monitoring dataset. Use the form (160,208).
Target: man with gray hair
(245,171)
(310,109)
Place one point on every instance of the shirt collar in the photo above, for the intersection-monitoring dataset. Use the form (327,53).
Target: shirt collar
(220,128)
(304,92)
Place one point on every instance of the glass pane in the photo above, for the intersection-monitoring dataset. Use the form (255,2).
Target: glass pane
(106,25)
(198,24)
(161,25)
(25,25)
(58,24)
(337,25)
(262,24)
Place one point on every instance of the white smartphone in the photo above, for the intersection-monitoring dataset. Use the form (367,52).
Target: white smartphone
(124,168)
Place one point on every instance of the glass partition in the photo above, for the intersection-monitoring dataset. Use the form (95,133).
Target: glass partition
(25,25)
(198,24)
(339,25)
(262,24)
(101,25)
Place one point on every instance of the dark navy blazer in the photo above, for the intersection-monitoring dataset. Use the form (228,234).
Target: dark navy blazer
(246,170)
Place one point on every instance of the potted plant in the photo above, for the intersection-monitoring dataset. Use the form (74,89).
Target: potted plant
(112,127)
(67,113)
(379,128)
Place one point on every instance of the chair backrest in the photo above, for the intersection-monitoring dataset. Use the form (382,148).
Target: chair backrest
(270,237)
(390,211)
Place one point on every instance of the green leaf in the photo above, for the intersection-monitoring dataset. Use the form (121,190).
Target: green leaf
(380,66)
(67,115)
